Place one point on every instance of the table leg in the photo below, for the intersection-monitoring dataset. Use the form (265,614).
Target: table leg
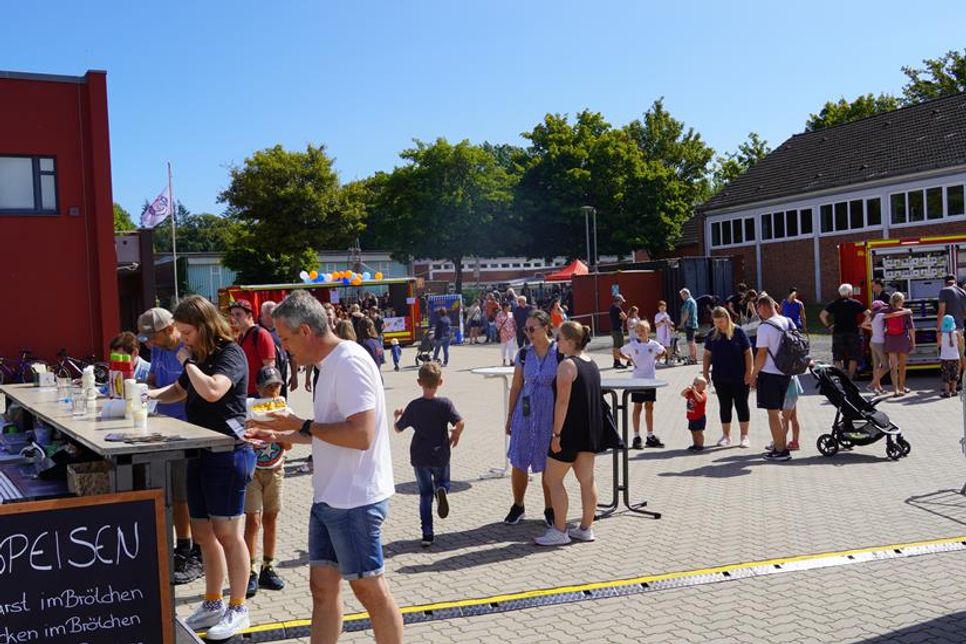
(500,472)
(606,509)
(636,507)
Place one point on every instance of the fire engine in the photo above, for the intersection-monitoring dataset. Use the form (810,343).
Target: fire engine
(915,267)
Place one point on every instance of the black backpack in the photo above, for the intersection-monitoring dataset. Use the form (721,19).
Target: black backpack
(281,357)
(792,358)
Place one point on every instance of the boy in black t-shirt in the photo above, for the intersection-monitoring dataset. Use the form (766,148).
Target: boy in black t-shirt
(430,418)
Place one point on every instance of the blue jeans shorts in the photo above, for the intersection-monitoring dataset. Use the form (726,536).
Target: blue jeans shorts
(216,483)
(349,540)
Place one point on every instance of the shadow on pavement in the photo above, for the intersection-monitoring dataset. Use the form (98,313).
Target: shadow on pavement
(411,487)
(948,628)
(741,465)
(510,537)
(948,504)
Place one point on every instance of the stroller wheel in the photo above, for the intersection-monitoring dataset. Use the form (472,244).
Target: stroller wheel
(904,445)
(827,446)
(894,451)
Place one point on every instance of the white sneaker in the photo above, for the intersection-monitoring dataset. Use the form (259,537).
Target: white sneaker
(234,620)
(552,537)
(770,447)
(581,534)
(724,441)
(745,441)
(206,615)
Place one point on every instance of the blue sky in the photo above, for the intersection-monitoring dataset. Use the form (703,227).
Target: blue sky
(204,84)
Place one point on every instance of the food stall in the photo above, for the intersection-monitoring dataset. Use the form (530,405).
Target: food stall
(95,564)
(399,293)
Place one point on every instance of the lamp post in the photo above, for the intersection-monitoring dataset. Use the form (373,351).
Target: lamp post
(590,211)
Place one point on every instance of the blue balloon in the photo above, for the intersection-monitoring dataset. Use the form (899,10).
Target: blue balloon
(318,279)
(345,281)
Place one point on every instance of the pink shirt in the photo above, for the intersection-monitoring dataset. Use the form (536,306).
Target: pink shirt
(506,325)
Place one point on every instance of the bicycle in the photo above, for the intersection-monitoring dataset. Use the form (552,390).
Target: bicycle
(23,372)
(72,368)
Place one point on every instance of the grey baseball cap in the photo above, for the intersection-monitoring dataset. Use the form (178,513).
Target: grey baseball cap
(152,321)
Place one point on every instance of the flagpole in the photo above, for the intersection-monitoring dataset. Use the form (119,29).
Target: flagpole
(174,243)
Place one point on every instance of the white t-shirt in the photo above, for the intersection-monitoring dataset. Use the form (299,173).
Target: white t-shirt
(947,352)
(644,355)
(769,337)
(878,328)
(343,477)
(663,330)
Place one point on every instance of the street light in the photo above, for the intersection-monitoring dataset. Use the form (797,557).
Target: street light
(590,211)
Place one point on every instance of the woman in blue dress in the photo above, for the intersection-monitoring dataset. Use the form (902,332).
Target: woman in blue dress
(531,413)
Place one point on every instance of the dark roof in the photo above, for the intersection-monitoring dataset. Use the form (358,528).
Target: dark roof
(689,232)
(927,136)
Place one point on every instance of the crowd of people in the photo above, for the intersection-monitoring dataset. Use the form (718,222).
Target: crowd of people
(209,370)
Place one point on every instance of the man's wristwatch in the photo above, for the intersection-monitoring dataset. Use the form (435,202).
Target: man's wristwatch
(306,429)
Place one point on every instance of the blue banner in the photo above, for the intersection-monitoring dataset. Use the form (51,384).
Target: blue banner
(453,304)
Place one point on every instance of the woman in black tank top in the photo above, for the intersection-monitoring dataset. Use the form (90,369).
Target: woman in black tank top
(578,434)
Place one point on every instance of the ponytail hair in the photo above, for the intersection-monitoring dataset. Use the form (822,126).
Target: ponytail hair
(578,333)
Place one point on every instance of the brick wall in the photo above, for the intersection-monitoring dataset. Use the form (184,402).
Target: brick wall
(788,264)
(745,264)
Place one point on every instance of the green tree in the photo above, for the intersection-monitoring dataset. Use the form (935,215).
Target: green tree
(671,181)
(287,204)
(643,179)
(441,204)
(733,164)
(939,77)
(197,232)
(122,219)
(843,111)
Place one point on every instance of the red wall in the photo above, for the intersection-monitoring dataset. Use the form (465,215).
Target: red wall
(642,289)
(59,271)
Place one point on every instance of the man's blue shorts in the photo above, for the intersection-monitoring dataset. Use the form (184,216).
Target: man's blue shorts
(350,540)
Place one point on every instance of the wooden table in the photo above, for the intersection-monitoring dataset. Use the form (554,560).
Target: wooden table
(90,432)
(621,478)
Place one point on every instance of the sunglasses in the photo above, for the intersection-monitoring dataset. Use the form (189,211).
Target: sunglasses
(532,329)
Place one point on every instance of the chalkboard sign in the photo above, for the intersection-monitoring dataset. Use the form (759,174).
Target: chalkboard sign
(85,570)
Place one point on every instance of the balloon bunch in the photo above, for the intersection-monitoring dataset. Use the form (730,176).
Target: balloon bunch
(346,278)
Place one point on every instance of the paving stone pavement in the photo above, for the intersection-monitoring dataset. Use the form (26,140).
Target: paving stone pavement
(720,506)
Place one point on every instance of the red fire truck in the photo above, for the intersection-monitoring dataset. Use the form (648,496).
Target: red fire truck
(915,267)
(403,303)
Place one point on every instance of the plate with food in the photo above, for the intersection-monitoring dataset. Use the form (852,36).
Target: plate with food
(263,408)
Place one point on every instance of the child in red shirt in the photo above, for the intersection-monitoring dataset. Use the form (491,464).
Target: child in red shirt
(697,398)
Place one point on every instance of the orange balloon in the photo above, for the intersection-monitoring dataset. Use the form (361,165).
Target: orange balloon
(313,274)
(378,276)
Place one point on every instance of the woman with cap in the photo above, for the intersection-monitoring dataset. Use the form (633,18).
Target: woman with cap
(214,385)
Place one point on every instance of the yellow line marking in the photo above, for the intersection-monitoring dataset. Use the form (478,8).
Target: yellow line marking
(617,583)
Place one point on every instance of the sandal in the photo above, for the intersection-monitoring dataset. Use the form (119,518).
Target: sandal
(906,390)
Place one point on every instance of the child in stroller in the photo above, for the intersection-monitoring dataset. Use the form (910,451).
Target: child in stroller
(857,421)
(424,353)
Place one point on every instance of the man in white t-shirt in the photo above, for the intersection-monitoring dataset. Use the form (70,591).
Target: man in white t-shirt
(770,382)
(352,476)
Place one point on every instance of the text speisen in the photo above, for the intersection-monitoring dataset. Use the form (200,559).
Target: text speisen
(82,547)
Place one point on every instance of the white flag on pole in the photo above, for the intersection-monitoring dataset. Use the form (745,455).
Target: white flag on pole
(158,211)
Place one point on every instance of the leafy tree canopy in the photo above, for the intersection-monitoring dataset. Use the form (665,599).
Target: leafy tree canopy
(843,111)
(938,77)
(446,202)
(732,164)
(122,219)
(288,204)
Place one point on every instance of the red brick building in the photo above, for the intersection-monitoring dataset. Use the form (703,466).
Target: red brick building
(56,215)
(900,174)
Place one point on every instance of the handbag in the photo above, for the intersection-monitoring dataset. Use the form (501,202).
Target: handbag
(612,438)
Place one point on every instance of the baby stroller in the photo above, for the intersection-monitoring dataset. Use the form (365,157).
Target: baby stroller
(674,356)
(424,353)
(857,422)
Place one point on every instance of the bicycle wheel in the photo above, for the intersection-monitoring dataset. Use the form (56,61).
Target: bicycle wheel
(101,372)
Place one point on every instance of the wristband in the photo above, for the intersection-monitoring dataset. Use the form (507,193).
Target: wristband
(306,429)
(189,361)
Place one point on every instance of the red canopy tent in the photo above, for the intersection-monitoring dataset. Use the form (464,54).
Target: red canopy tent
(567,273)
